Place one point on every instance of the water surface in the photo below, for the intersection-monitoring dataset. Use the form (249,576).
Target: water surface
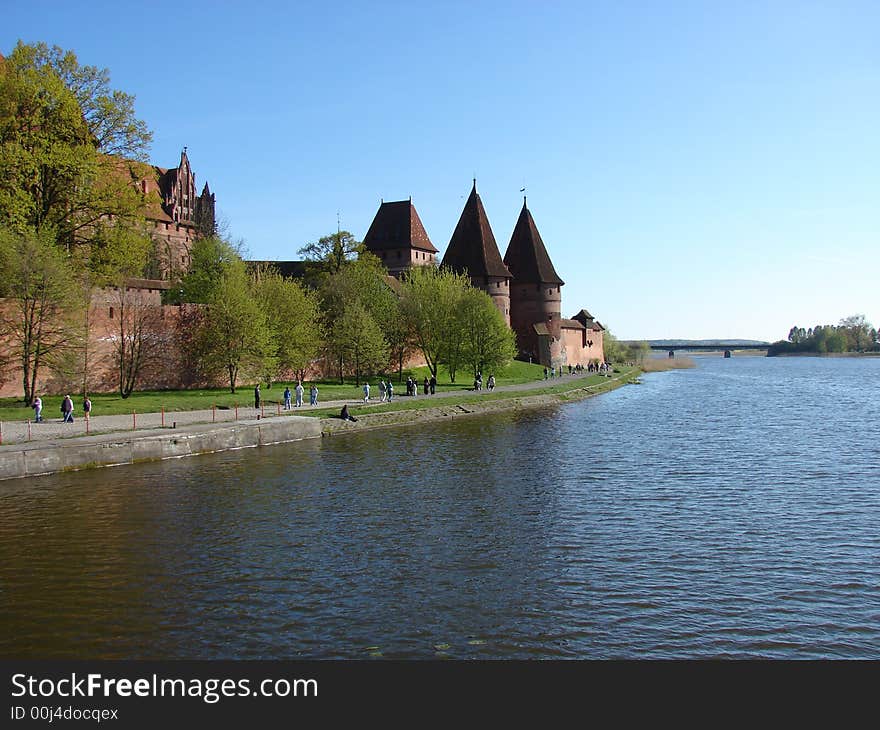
(725,511)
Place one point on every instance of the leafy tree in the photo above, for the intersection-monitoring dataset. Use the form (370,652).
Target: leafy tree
(358,340)
(293,318)
(60,126)
(858,332)
(38,280)
(615,351)
(329,254)
(428,305)
(212,259)
(488,343)
(234,332)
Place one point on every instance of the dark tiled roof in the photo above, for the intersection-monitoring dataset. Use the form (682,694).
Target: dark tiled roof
(472,247)
(397,225)
(287,269)
(570,324)
(527,256)
(541,328)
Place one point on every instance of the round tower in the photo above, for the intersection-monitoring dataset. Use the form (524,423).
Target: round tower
(536,289)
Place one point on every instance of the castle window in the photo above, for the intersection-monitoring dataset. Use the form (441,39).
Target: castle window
(111,312)
(497,284)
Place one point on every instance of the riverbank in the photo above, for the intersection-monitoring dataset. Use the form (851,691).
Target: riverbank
(48,453)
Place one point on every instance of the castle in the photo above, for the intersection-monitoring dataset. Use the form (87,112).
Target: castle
(523,285)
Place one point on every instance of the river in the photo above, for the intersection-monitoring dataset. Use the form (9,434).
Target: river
(730,510)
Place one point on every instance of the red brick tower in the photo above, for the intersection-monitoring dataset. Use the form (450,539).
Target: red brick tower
(536,290)
(472,250)
(398,238)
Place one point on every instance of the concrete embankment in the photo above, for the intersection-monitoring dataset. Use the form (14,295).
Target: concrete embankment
(111,449)
(53,455)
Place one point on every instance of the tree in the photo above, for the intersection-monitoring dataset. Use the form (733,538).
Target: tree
(37,278)
(61,127)
(108,113)
(858,332)
(357,339)
(366,280)
(293,318)
(329,254)
(137,342)
(212,259)
(488,343)
(428,304)
(234,332)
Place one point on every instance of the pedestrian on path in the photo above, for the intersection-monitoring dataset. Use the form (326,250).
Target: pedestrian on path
(382,391)
(257,396)
(87,407)
(425,387)
(313,395)
(366,392)
(67,409)
(287,397)
(390,391)
(299,393)
(38,409)
(433,383)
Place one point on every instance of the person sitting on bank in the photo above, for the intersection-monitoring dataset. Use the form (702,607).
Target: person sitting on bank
(345,415)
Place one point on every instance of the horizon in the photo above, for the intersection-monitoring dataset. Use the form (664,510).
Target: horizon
(692,169)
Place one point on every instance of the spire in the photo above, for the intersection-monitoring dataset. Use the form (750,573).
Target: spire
(526,256)
(397,225)
(472,247)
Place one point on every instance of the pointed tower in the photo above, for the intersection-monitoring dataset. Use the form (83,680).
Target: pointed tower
(398,237)
(204,218)
(472,250)
(536,291)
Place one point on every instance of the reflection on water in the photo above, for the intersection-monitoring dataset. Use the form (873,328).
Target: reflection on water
(729,510)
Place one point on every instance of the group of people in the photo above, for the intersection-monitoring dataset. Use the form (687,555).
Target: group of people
(66,408)
(490,383)
(603,368)
(300,391)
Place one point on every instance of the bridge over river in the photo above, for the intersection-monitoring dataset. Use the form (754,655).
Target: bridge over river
(715,346)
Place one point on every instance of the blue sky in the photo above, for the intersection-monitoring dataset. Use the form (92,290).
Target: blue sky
(696,169)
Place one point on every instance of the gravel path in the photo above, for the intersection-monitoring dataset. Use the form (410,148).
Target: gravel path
(14,432)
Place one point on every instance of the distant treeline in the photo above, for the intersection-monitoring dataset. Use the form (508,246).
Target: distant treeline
(852,334)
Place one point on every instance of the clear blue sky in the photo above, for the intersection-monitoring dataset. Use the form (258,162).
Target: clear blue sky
(696,169)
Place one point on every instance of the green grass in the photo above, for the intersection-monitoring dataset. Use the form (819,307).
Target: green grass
(109,404)
(598,383)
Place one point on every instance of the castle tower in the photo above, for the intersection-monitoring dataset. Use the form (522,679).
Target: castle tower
(536,291)
(472,250)
(398,238)
(204,217)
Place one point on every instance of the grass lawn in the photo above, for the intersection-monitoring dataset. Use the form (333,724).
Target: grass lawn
(108,404)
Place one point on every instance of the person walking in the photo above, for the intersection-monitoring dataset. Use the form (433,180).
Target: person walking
(67,409)
(257,396)
(390,391)
(491,383)
(433,383)
(287,397)
(545,373)
(87,407)
(366,392)
(382,391)
(313,395)
(38,409)
(425,386)
(299,393)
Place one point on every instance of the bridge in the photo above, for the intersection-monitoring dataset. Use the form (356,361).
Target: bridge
(718,346)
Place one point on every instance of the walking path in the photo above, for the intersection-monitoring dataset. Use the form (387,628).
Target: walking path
(17,432)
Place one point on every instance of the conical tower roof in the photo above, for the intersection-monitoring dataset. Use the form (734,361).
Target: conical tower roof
(472,247)
(526,256)
(397,225)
